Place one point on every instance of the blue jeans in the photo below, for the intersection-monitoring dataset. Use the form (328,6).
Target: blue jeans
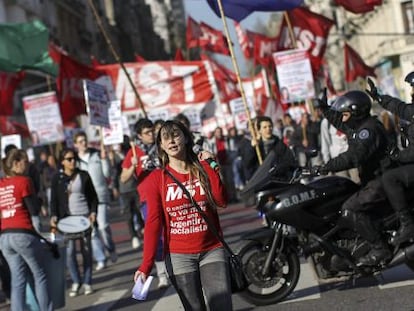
(23,251)
(72,263)
(102,237)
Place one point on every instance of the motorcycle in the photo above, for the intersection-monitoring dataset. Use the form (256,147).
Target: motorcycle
(304,219)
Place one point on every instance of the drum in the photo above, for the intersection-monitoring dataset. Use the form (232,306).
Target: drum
(74,227)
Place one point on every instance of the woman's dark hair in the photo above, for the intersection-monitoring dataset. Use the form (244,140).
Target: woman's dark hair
(194,165)
(12,156)
(64,152)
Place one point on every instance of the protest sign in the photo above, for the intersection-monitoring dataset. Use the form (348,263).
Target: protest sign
(239,112)
(114,134)
(97,103)
(14,139)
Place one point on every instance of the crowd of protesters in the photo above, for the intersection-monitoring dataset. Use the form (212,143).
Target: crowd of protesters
(85,181)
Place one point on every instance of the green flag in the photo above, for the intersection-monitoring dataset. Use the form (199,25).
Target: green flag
(25,46)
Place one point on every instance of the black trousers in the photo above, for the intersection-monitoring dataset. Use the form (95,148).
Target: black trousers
(397,184)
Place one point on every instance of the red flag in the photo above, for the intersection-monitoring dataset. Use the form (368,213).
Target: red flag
(9,127)
(69,85)
(355,66)
(193,33)
(8,84)
(246,40)
(311,31)
(139,59)
(264,47)
(55,52)
(213,40)
(359,6)
(95,62)
(179,55)
(226,80)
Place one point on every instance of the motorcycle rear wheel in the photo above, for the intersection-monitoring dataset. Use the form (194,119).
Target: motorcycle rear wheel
(281,281)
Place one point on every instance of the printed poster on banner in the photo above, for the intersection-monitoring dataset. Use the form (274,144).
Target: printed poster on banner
(6,140)
(97,103)
(43,118)
(239,112)
(114,134)
(294,75)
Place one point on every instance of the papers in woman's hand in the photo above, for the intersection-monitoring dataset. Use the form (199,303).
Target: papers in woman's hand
(140,289)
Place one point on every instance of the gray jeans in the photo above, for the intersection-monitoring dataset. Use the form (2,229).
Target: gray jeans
(196,275)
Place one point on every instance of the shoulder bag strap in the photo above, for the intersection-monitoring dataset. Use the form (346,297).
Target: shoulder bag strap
(210,224)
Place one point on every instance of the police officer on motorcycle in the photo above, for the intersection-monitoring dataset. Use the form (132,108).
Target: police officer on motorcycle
(397,180)
(367,141)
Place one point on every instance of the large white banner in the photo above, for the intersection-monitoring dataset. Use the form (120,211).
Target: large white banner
(294,75)
(43,118)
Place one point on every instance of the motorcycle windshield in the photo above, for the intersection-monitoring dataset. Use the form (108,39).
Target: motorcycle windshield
(266,173)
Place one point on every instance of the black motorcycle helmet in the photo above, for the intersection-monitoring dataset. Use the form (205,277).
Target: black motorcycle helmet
(358,103)
(410,78)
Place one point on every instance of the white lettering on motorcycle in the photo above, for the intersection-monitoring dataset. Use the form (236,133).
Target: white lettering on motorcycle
(299,198)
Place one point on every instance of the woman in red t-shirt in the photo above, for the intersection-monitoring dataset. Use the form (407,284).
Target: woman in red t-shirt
(19,242)
(195,259)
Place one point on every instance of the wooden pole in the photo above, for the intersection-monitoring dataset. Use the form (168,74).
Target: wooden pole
(237,71)
(116,56)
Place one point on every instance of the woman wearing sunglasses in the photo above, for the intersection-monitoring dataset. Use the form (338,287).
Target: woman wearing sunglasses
(73,194)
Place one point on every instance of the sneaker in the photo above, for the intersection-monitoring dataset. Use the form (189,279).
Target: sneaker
(101,265)
(74,290)
(114,257)
(135,242)
(88,289)
(163,282)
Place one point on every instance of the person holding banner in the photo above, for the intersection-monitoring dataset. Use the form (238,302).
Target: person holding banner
(97,165)
(19,240)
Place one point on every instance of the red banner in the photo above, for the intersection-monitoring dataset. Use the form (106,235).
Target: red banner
(9,127)
(161,83)
(355,66)
(358,6)
(264,47)
(193,33)
(69,85)
(310,30)
(8,84)
(213,40)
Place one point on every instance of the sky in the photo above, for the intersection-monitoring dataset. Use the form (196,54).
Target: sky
(201,11)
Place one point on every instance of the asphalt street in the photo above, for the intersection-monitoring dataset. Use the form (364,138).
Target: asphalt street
(391,290)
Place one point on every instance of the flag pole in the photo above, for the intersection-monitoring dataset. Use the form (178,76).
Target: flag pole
(237,71)
(116,56)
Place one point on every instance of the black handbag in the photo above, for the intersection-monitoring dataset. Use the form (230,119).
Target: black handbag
(237,276)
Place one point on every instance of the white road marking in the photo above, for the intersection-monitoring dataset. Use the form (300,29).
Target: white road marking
(396,277)
(169,301)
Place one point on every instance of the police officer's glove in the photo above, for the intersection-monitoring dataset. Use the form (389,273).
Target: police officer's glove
(319,170)
(373,91)
(394,154)
(323,100)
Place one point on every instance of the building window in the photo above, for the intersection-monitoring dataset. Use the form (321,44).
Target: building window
(408,16)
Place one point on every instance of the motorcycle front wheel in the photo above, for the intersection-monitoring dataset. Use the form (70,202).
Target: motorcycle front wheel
(280,281)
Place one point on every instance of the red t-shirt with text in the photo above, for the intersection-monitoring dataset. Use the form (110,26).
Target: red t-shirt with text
(14,215)
(185,230)
(140,173)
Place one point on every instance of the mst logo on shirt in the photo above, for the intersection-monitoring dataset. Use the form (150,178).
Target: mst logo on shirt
(184,217)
